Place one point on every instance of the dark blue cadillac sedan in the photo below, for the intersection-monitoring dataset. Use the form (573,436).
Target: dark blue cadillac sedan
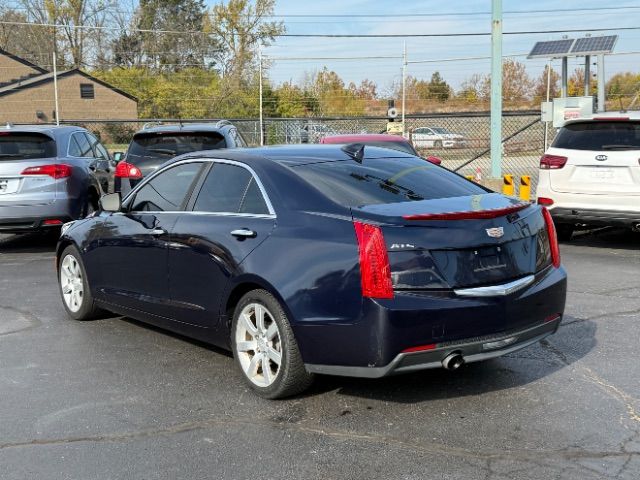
(320,260)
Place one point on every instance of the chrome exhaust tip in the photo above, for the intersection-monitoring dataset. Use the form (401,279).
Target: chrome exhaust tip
(453,361)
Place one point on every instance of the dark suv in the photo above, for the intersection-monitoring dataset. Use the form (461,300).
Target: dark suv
(155,144)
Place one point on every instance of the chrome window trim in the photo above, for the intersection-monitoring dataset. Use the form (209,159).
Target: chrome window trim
(265,196)
(496,290)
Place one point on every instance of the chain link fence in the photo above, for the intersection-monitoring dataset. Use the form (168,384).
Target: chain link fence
(460,140)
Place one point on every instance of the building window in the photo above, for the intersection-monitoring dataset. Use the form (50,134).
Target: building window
(86,90)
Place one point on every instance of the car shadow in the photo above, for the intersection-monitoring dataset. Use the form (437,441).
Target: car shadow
(29,243)
(608,237)
(511,371)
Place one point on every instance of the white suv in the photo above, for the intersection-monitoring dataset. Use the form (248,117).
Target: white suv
(591,173)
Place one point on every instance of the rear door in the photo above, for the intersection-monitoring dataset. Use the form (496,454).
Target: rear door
(133,246)
(230,216)
(602,158)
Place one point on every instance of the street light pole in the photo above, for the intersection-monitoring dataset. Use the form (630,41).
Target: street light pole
(496,88)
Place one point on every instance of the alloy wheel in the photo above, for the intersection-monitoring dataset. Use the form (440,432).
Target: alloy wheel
(258,344)
(71,283)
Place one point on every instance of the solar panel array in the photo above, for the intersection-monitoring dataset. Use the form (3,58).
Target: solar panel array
(552,48)
(594,45)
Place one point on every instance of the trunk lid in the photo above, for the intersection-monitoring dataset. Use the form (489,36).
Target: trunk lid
(19,151)
(440,244)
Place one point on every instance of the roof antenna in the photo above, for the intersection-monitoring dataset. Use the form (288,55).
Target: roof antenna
(355,151)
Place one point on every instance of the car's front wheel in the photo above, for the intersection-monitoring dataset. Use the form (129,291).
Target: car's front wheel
(74,286)
(265,349)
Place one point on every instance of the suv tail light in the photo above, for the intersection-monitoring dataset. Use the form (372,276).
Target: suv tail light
(374,263)
(56,170)
(552,162)
(127,170)
(553,238)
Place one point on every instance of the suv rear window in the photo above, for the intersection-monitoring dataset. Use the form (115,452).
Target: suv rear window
(385,180)
(164,146)
(19,146)
(599,135)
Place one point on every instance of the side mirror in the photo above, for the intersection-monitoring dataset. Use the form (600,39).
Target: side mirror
(117,156)
(433,159)
(111,202)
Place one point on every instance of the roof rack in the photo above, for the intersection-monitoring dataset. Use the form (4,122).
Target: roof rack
(150,124)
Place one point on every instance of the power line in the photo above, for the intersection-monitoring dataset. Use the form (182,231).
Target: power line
(448,14)
(326,35)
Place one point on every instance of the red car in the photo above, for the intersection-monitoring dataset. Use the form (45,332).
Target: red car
(394,142)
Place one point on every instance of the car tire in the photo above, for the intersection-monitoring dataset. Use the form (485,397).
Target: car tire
(260,337)
(564,231)
(437,144)
(90,206)
(74,286)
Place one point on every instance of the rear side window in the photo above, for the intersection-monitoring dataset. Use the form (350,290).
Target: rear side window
(167,190)
(18,146)
(165,146)
(230,189)
(385,180)
(603,135)
(79,145)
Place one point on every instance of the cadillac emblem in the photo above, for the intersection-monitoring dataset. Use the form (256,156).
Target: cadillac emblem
(495,232)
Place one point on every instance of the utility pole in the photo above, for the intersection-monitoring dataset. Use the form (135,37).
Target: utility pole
(404,83)
(260,89)
(496,89)
(601,80)
(55,87)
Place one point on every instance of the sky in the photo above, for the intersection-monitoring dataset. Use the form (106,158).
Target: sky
(447,17)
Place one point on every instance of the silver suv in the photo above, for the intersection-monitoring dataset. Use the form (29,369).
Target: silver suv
(50,175)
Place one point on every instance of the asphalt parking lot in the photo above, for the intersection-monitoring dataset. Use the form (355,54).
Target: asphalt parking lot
(113,399)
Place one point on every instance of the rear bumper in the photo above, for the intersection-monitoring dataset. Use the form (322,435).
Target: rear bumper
(472,350)
(27,218)
(594,216)
(376,343)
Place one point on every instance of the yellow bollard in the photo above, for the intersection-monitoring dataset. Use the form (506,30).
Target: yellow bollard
(508,187)
(525,188)
(470,177)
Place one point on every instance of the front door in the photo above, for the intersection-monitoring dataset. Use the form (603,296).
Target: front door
(134,243)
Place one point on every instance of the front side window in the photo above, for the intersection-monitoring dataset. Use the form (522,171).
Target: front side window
(230,189)
(168,190)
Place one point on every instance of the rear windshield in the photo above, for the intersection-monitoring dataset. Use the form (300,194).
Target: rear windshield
(385,180)
(604,135)
(20,146)
(168,145)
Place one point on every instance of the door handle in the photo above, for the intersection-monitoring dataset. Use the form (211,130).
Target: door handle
(158,231)
(243,233)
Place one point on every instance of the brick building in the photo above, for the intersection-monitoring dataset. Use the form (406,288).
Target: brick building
(27,95)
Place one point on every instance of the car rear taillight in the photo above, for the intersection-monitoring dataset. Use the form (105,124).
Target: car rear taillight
(553,238)
(56,170)
(545,201)
(375,270)
(127,170)
(552,162)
